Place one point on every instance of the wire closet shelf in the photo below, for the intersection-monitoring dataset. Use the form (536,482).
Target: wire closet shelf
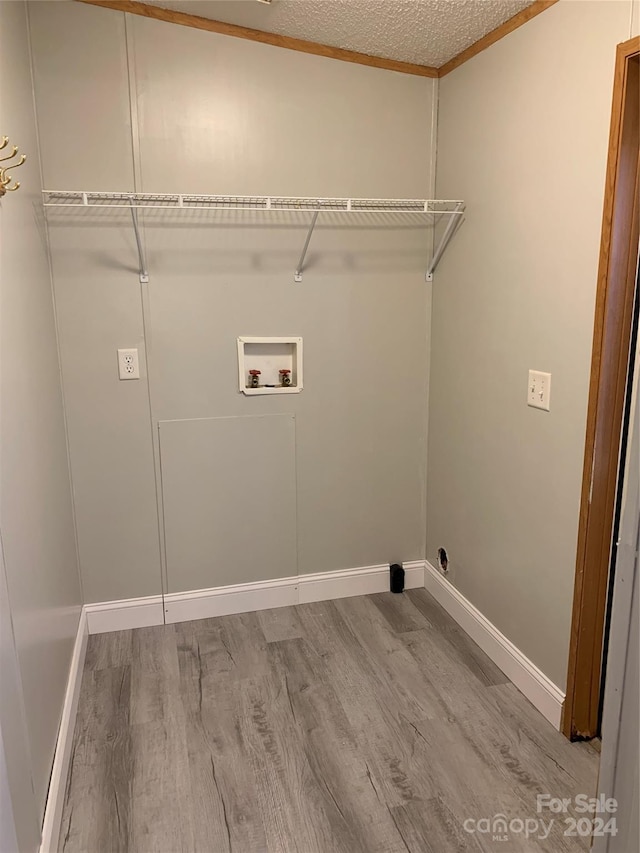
(433,210)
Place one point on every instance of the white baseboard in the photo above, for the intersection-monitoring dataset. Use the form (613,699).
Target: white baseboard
(62,757)
(299,589)
(327,585)
(242,598)
(126,613)
(281,592)
(225,600)
(539,690)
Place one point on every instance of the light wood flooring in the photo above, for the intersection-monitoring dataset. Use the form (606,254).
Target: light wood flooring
(364,725)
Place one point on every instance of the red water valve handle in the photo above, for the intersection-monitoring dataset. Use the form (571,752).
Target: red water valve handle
(255,372)
(284,372)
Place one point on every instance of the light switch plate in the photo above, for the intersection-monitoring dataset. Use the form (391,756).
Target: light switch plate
(539,390)
(128,364)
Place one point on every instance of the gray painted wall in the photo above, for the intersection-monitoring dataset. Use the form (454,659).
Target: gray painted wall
(523,132)
(219,115)
(8,835)
(40,608)
(527,150)
(20,816)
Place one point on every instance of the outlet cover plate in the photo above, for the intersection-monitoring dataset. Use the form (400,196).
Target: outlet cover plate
(128,364)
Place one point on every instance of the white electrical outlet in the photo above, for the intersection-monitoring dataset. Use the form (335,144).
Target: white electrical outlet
(539,390)
(128,366)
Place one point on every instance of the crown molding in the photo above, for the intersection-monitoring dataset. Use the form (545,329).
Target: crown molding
(172,16)
(495,35)
(236,31)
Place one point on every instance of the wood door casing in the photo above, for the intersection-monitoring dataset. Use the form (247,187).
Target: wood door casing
(609,367)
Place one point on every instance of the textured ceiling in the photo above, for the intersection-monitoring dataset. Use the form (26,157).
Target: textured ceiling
(427,32)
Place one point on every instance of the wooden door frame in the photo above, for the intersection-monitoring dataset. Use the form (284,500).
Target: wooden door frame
(609,366)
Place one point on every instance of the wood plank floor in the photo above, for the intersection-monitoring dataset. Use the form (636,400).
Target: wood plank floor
(364,725)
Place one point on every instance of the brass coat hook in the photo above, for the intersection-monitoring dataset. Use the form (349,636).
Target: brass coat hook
(5,179)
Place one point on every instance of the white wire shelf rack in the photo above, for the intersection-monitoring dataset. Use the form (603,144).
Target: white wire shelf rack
(426,210)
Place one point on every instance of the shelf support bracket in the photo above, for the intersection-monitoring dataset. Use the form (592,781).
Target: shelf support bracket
(452,226)
(298,273)
(144,275)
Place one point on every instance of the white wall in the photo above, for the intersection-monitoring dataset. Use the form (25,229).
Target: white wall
(220,115)
(523,132)
(41,609)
